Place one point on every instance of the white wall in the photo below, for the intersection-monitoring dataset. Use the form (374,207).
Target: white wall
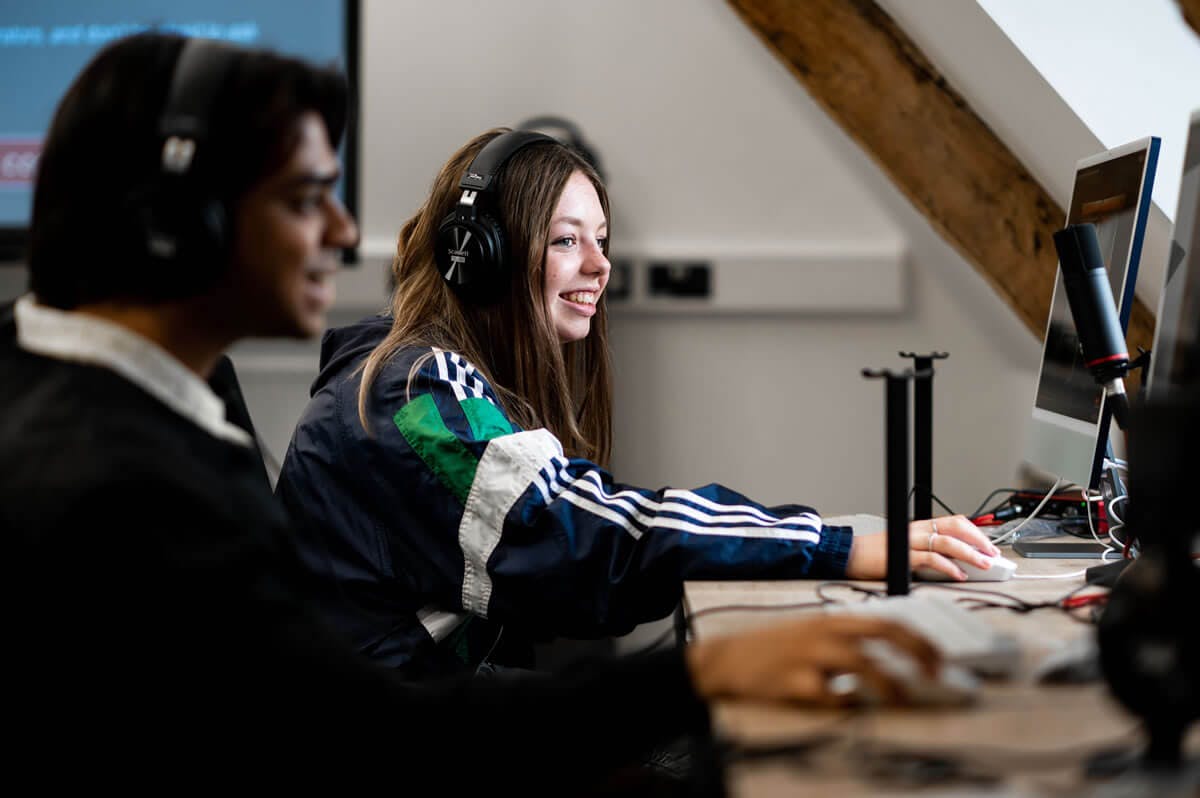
(672,93)
(1141,61)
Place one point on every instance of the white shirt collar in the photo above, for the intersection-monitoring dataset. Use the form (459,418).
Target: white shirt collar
(86,339)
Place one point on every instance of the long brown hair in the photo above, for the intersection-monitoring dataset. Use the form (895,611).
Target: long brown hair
(566,388)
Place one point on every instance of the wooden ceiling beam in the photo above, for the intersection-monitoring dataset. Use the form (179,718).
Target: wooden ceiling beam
(874,81)
(1191,13)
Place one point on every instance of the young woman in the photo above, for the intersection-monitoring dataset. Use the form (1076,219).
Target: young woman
(449,473)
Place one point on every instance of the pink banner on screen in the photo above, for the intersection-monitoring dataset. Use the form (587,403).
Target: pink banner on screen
(18,161)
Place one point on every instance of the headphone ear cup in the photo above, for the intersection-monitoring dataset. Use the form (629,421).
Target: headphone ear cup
(185,242)
(471,256)
(471,249)
(495,280)
(212,236)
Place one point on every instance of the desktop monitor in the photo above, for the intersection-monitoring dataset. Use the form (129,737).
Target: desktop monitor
(44,45)
(1173,359)
(1068,431)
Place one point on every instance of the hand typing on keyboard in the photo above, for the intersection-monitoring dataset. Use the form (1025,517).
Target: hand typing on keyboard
(949,685)
(963,638)
(812,661)
(936,545)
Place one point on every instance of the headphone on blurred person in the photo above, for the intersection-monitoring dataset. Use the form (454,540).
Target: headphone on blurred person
(472,249)
(566,132)
(184,225)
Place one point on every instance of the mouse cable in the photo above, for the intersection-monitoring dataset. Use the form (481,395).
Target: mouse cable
(1072,575)
(972,598)
(973,595)
(1066,606)
(977,598)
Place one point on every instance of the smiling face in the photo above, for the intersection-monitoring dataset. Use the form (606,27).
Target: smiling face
(576,267)
(290,230)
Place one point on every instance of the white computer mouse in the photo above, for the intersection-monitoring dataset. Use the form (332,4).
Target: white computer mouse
(1001,570)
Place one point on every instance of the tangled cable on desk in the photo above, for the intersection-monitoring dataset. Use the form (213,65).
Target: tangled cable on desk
(972,598)
(985,599)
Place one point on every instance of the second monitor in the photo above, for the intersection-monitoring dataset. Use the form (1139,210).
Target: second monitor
(1068,430)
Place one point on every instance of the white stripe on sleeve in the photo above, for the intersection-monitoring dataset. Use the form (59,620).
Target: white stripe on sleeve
(720,513)
(444,374)
(510,464)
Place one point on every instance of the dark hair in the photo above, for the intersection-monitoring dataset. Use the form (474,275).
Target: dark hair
(101,156)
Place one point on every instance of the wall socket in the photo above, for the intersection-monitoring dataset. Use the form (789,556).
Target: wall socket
(691,279)
(862,279)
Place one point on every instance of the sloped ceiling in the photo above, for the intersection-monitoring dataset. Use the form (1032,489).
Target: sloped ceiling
(879,86)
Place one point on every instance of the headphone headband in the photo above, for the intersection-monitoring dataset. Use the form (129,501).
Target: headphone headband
(183,223)
(200,72)
(481,174)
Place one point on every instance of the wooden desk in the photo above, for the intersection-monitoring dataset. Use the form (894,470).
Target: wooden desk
(1034,735)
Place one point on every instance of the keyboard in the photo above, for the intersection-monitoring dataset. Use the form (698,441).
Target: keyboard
(964,638)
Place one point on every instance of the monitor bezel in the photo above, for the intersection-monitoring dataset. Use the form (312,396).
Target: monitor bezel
(1155,375)
(1052,434)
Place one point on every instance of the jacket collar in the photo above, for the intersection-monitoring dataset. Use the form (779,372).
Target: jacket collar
(81,338)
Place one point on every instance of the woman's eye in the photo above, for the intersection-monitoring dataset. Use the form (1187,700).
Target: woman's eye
(601,241)
(565,241)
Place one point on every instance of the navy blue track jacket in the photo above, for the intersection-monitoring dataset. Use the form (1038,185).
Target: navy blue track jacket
(448,511)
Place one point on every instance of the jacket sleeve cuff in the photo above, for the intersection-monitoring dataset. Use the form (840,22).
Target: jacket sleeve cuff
(833,552)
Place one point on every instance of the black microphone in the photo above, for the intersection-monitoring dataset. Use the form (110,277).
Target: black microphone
(1095,313)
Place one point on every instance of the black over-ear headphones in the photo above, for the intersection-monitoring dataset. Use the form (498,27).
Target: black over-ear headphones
(184,224)
(471,249)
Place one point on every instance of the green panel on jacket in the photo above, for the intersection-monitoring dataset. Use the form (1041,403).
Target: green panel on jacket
(486,420)
(446,456)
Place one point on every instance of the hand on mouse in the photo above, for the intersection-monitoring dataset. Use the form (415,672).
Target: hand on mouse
(933,544)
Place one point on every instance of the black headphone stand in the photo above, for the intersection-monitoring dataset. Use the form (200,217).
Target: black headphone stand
(896,432)
(923,432)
